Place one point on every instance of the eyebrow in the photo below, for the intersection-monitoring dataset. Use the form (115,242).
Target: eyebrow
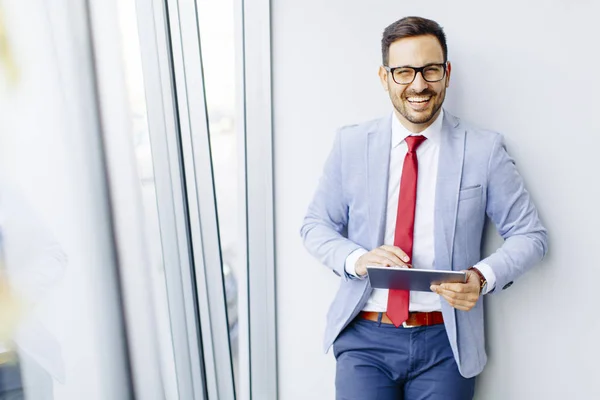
(426,65)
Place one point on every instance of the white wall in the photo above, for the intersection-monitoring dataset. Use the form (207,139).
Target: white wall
(518,68)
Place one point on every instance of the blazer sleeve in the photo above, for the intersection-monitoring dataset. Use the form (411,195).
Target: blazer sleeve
(324,230)
(511,209)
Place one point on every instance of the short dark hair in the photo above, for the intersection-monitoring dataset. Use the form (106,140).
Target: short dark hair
(411,27)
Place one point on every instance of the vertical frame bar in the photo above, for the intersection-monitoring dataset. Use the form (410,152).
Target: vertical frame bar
(244,370)
(259,195)
(199,183)
(166,154)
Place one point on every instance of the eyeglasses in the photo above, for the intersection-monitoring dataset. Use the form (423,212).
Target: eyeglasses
(406,75)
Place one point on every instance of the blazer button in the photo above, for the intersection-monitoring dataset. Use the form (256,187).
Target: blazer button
(509,284)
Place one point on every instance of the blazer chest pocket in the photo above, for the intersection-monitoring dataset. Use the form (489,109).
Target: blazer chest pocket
(470,192)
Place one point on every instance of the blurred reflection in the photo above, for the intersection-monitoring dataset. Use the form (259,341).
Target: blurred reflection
(31,262)
(7,60)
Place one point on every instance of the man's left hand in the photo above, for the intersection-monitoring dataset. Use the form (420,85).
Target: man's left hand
(462,296)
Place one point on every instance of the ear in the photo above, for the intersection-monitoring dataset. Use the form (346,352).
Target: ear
(448,71)
(383,77)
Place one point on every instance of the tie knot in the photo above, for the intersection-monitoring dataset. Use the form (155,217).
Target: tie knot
(413,142)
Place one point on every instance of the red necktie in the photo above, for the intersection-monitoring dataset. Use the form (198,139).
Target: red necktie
(397,307)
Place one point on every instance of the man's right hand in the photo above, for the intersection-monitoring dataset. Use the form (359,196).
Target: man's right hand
(385,256)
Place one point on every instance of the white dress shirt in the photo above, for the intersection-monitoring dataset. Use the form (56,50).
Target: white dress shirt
(423,238)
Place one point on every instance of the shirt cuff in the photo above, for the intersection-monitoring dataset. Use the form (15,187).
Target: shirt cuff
(351,262)
(489,276)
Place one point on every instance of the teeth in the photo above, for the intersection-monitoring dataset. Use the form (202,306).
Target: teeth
(418,99)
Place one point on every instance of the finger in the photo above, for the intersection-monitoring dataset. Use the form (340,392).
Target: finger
(398,252)
(394,260)
(459,304)
(379,259)
(455,296)
(397,261)
(458,298)
(454,287)
(461,287)
(462,308)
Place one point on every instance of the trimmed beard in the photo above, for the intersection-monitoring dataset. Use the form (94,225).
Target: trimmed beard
(400,106)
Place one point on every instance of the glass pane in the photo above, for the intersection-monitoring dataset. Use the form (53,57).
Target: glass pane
(62,332)
(216,19)
(143,154)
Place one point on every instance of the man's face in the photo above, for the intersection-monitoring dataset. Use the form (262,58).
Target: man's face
(417,104)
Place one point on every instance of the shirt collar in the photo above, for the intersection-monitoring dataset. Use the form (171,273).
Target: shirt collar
(399,132)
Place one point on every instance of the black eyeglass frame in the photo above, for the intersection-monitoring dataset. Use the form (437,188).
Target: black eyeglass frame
(417,70)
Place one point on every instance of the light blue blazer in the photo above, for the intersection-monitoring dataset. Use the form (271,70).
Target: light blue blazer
(476,177)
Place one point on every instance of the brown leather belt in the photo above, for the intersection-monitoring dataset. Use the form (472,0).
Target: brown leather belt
(414,318)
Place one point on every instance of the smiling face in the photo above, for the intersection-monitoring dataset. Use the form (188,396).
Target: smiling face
(419,103)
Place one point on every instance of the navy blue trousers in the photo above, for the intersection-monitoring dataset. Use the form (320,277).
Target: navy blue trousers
(377,361)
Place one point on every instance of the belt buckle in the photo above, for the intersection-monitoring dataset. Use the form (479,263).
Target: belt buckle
(415,325)
(405,325)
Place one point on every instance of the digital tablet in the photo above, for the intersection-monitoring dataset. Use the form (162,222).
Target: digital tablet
(410,278)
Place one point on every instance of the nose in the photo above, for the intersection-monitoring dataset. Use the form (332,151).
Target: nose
(419,84)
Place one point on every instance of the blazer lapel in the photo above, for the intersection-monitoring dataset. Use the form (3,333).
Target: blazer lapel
(378,164)
(452,152)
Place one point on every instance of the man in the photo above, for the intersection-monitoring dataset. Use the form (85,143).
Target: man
(413,190)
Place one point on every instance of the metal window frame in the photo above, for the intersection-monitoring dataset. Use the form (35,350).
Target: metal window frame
(260,231)
(161,103)
(201,201)
(176,29)
(244,372)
